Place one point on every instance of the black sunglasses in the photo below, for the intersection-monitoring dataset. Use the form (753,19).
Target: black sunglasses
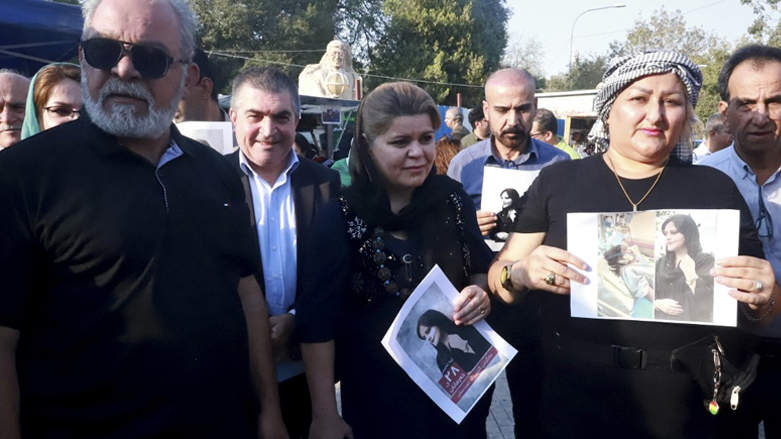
(105,53)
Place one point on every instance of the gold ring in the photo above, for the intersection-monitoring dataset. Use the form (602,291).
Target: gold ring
(550,279)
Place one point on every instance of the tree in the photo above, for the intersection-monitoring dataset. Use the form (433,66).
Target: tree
(665,31)
(441,41)
(711,64)
(526,54)
(766,29)
(361,24)
(284,34)
(585,75)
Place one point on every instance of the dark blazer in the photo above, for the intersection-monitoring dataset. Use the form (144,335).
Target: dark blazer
(313,185)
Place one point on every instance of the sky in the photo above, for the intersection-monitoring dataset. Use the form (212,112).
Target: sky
(551,22)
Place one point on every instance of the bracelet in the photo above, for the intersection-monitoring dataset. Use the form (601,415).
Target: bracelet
(757,319)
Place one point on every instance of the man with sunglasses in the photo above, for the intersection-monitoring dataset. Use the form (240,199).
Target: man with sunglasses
(750,89)
(13,93)
(129,306)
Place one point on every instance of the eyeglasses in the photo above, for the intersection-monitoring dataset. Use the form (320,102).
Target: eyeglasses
(538,134)
(105,53)
(764,222)
(63,111)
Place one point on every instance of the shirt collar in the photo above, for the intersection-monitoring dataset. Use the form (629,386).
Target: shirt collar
(107,144)
(171,153)
(292,163)
(743,171)
(531,151)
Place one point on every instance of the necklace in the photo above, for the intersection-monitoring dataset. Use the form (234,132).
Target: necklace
(634,205)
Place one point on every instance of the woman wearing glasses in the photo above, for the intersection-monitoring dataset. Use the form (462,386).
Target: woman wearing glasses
(54,98)
(609,377)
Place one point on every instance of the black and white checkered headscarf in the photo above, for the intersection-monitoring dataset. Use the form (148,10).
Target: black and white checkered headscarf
(625,70)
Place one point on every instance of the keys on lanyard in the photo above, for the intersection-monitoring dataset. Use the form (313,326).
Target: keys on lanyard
(713,407)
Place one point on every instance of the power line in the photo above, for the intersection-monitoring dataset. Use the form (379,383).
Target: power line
(272,51)
(422,81)
(625,29)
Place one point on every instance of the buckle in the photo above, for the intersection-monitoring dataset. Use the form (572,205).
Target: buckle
(628,357)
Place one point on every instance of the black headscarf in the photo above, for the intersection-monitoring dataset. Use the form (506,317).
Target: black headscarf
(367,194)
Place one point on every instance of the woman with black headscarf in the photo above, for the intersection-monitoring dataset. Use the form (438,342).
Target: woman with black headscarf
(621,378)
(392,225)
(684,285)
(463,345)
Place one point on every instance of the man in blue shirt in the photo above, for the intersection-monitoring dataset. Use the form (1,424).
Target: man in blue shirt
(510,107)
(750,88)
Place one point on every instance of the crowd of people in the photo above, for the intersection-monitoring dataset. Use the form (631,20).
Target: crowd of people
(154,288)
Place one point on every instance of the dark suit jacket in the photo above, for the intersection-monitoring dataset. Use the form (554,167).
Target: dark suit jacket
(313,185)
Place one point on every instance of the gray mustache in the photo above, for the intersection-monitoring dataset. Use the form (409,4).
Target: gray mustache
(115,86)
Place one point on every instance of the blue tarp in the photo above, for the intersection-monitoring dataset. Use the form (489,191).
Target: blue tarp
(36,32)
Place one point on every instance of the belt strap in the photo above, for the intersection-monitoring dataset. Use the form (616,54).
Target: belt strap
(624,357)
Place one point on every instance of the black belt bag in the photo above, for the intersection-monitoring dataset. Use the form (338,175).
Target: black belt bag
(723,375)
(624,357)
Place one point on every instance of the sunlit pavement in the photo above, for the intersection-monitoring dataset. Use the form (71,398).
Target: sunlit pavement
(500,419)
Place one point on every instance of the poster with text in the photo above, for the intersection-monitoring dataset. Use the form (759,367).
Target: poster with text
(502,192)
(453,364)
(654,265)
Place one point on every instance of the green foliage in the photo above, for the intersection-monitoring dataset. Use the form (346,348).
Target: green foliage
(665,30)
(361,24)
(711,65)
(264,32)
(766,29)
(451,41)
(586,74)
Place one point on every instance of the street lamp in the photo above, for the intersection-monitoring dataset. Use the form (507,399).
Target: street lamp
(572,33)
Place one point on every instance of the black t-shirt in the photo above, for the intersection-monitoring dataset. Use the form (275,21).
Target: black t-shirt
(122,279)
(590,186)
(582,398)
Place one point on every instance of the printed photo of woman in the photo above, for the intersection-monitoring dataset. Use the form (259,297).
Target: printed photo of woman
(505,218)
(684,285)
(462,345)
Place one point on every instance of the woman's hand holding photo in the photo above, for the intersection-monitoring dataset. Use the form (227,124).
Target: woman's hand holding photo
(471,306)
(547,268)
(752,278)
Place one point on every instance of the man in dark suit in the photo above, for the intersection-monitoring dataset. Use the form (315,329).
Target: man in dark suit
(283,193)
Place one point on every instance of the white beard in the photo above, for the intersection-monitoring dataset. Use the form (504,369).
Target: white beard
(121,120)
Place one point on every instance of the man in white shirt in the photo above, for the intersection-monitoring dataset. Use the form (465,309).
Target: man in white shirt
(283,193)
(717,137)
(13,89)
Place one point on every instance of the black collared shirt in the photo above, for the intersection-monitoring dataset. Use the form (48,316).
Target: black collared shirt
(122,278)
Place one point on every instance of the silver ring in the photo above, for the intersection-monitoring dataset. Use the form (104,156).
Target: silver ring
(758,287)
(550,279)
(482,311)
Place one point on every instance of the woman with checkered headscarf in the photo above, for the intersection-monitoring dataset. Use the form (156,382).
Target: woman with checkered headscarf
(622,377)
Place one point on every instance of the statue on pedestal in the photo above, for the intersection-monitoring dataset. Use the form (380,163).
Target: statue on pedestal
(333,77)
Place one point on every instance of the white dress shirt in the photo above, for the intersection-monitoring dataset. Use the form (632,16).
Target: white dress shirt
(275,221)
